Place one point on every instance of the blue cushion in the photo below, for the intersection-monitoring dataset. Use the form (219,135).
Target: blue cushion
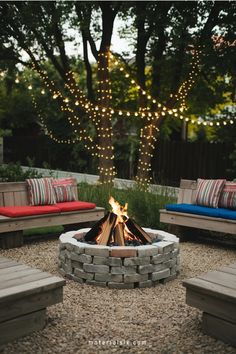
(202,210)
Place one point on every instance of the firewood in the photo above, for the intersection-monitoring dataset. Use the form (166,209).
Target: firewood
(136,230)
(107,229)
(119,234)
(93,233)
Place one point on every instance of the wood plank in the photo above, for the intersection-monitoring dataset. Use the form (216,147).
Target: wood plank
(13,268)
(23,279)
(21,326)
(188,184)
(216,290)
(219,328)
(1,199)
(11,239)
(21,198)
(5,259)
(187,197)
(13,186)
(8,199)
(35,287)
(232,265)
(180,196)
(20,274)
(31,303)
(221,278)
(211,304)
(8,265)
(228,270)
(198,221)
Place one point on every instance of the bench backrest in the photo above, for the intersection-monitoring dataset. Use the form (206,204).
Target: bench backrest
(16,193)
(187,191)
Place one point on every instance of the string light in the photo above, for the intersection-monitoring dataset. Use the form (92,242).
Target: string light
(101,113)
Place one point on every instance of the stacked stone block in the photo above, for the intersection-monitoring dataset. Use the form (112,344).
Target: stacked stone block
(120,267)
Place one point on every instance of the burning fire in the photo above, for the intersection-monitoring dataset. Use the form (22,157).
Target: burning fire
(122,216)
(116,228)
(118,209)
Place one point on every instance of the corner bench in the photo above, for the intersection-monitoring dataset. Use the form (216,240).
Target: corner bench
(25,293)
(215,294)
(11,228)
(178,220)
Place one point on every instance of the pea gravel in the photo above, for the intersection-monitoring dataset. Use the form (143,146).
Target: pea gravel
(97,320)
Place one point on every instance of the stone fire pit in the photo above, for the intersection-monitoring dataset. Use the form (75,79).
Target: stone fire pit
(119,267)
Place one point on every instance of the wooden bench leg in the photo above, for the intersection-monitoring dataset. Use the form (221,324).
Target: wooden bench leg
(219,328)
(11,239)
(179,231)
(22,325)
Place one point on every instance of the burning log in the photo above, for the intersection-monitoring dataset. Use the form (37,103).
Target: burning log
(117,227)
(119,234)
(102,230)
(136,230)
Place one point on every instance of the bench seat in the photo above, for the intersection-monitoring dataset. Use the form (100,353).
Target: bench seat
(185,214)
(214,293)
(28,210)
(202,210)
(25,293)
(17,215)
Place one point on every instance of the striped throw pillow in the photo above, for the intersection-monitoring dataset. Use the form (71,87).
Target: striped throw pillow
(228,196)
(41,191)
(64,190)
(208,191)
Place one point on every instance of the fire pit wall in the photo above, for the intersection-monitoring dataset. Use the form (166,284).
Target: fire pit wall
(120,267)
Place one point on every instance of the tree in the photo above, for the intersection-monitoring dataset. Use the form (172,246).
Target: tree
(168,35)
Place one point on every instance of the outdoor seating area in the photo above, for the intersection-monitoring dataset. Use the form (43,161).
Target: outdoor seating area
(117,177)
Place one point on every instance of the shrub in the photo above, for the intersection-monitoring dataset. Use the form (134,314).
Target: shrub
(142,206)
(14,173)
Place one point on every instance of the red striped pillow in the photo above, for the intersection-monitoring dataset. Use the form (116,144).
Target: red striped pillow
(208,191)
(64,189)
(41,191)
(228,196)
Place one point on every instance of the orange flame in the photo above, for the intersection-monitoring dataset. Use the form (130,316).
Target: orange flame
(118,209)
(121,212)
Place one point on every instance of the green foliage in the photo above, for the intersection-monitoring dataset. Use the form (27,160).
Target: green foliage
(43,231)
(14,173)
(142,206)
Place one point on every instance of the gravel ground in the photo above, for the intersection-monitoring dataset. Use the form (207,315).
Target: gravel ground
(98,320)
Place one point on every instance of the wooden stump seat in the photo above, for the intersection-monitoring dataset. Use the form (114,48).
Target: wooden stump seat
(215,294)
(11,229)
(25,293)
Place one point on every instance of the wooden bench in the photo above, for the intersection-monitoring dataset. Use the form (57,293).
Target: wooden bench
(24,295)
(215,294)
(180,220)
(11,229)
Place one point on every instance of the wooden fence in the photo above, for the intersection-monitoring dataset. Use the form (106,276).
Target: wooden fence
(172,160)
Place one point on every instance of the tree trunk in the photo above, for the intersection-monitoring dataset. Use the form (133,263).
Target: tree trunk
(104,128)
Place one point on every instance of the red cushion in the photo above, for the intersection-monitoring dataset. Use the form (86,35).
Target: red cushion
(76,205)
(15,211)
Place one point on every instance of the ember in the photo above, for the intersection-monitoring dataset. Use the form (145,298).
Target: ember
(117,229)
